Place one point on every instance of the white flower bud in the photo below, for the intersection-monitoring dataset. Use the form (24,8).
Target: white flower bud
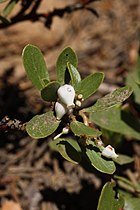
(60,110)
(66,94)
(64,131)
(109,152)
(78,103)
(80,96)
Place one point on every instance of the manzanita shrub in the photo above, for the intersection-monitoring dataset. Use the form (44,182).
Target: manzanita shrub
(72,126)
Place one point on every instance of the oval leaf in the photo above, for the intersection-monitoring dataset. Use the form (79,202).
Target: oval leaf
(49,93)
(123,159)
(118,121)
(42,126)
(68,148)
(101,164)
(66,56)
(132,203)
(108,200)
(111,99)
(74,74)
(89,85)
(79,129)
(35,66)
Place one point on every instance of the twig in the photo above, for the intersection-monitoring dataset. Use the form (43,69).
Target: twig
(34,16)
(7,124)
(68,9)
(84,117)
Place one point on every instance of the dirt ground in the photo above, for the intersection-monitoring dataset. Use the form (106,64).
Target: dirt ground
(31,174)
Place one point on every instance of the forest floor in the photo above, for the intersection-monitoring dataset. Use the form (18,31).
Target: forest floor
(32,176)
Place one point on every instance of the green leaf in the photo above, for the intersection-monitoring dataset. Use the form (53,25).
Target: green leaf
(100,163)
(108,200)
(117,121)
(4,20)
(123,159)
(79,129)
(74,74)
(68,148)
(66,56)
(1,1)
(42,126)
(89,85)
(111,99)
(132,203)
(49,93)
(133,79)
(9,7)
(35,66)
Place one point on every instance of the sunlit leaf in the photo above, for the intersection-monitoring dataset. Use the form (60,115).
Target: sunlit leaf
(66,56)
(79,129)
(68,148)
(49,93)
(9,7)
(111,99)
(100,163)
(89,85)
(118,121)
(123,159)
(35,66)
(108,199)
(42,126)
(74,74)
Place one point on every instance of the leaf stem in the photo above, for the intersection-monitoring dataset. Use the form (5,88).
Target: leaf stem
(84,117)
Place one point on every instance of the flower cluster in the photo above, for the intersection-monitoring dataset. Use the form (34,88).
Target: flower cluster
(65,104)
